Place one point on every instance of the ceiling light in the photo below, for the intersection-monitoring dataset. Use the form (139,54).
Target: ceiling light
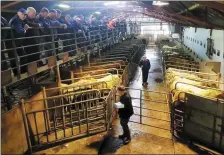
(97,12)
(159,3)
(134,10)
(111,3)
(64,6)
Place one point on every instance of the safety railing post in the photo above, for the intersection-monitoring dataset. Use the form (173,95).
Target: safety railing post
(46,106)
(90,39)
(53,44)
(76,44)
(17,59)
(26,126)
(140,106)
(53,48)
(99,46)
(88,58)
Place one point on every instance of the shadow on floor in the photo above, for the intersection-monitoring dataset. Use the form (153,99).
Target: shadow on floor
(109,144)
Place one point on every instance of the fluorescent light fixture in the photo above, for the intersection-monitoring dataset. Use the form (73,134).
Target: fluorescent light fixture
(159,3)
(64,6)
(111,3)
(134,10)
(98,12)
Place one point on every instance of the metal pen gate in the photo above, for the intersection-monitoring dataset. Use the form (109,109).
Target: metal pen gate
(145,113)
(199,119)
(72,116)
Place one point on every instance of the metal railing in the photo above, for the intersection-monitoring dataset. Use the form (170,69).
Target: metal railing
(20,53)
(53,47)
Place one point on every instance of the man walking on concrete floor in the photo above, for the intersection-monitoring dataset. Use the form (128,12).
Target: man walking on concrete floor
(145,65)
(125,114)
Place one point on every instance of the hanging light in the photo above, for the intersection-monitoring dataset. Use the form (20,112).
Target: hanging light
(64,6)
(159,3)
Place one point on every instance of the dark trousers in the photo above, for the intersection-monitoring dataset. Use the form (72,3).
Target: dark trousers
(124,124)
(145,75)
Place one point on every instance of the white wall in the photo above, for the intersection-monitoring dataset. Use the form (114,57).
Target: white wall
(201,35)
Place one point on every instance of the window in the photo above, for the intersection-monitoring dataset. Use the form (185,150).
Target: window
(201,43)
(204,45)
(198,42)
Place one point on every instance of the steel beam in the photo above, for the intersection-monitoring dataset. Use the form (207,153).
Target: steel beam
(195,20)
(189,9)
(212,4)
(10,4)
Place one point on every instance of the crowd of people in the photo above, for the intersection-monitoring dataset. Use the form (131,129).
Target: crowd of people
(27,23)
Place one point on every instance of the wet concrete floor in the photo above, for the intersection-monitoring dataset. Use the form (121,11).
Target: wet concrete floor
(153,136)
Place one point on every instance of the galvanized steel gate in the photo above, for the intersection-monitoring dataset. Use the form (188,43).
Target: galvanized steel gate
(149,106)
(70,115)
(199,119)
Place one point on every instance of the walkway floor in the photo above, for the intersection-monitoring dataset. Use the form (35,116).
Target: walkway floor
(153,138)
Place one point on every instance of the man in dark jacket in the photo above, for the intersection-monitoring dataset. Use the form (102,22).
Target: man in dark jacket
(54,23)
(17,23)
(125,114)
(145,65)
(42,18)
(33,32)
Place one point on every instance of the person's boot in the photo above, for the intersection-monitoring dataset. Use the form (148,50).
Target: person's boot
(127,140)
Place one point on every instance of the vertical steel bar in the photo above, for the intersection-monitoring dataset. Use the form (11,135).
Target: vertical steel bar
(26,126)
(53,45)
(87,118)
(70,109)
(79,120)
(76,44)
(140,106)
(46,106)
(63,116)
(35,119)
(17,59)
(72,76)
(54,122)
(46,124)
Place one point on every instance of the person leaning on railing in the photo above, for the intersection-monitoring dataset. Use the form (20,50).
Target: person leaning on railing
(55,23)
(17,23)
(81,37)
(66,44)
(33,42)
(42,19)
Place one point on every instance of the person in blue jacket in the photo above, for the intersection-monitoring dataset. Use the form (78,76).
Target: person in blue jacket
(17,23)
(42,18)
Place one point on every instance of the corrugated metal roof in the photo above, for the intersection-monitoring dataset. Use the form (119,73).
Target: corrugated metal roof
(188,13)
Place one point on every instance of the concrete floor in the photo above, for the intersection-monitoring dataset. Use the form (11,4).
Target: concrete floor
(153,138)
